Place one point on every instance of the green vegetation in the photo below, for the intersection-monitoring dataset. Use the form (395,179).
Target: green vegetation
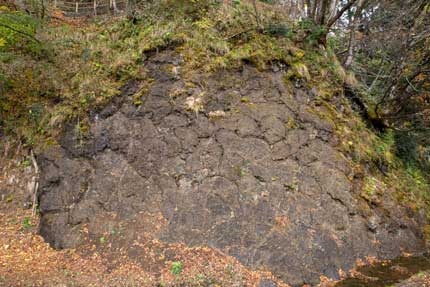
(103,54)
(177,268)
(53,95)
(379,154)
(26,223)
(18,30)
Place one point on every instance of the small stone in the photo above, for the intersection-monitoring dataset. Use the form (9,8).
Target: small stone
(275,68)
(372,224)
(26,205)
(399,269)
(267,283)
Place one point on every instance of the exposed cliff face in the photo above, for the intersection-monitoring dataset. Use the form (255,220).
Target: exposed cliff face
(260,177)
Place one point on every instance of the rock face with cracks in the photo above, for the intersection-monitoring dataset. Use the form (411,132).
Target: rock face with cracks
(252,172)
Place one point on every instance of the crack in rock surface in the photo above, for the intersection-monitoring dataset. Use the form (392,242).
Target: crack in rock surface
(272,194)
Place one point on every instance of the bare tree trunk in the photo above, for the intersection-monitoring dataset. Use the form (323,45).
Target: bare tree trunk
(324,6)
(322,15)
(293,9)
(315,10)
(351,46)
(257,16)
(333,9)
(353,28)
(309,9)
(303,9)
(115,8)
(42,4)
(297,10)
(95,7)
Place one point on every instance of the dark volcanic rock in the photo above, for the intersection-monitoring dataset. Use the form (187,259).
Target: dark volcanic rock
(264,183)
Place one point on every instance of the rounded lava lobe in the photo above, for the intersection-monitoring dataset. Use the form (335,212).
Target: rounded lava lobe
(264,183)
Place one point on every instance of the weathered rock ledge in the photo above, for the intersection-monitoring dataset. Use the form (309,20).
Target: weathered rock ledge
(264,182)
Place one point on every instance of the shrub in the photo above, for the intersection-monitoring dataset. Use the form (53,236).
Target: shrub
(177,268)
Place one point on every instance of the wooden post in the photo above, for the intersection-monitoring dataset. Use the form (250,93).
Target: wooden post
(95,8)
(35,184)
(77,8)
(55,4)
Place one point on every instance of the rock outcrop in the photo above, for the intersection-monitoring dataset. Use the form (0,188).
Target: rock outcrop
(251,170)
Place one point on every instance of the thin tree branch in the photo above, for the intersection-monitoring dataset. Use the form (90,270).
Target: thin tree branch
(239,33)
(340,13)
(257,16)
(20,32)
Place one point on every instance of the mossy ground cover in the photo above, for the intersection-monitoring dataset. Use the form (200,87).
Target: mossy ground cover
(76,66)
(374,155)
